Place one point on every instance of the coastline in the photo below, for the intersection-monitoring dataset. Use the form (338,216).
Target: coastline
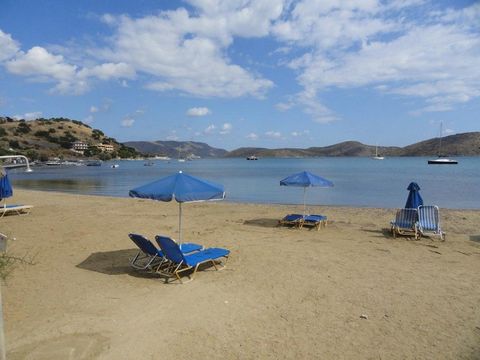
(286,293)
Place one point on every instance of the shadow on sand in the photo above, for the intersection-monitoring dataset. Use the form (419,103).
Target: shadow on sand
(111,263)
(385,232)
(475,238)
(269,223)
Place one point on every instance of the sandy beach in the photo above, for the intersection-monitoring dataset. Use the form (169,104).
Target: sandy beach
(349,291)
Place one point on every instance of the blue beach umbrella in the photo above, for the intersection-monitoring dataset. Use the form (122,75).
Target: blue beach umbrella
(182,188)
(305,179)
(5,186)
(414,199)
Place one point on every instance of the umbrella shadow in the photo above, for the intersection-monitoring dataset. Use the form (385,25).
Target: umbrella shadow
(475,238)
(263,222)
(110,262)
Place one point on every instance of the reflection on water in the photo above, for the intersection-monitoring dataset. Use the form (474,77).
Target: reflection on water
(66,185)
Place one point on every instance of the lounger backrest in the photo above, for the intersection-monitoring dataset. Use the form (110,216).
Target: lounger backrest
(406,218)
(428,217)
(170,248)
(144,244)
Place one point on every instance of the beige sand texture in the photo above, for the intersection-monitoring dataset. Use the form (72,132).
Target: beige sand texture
(285,294)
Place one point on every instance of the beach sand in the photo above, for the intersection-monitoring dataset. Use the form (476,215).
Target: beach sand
(285,294)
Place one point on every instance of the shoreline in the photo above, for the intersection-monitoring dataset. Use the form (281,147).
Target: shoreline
(286,293)
(226,200)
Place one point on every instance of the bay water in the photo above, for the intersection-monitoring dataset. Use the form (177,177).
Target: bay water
(360,182)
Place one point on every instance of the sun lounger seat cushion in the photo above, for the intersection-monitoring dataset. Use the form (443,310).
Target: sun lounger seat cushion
(207,254)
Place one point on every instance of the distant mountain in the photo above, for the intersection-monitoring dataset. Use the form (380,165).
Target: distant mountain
(176,149)
(467,144)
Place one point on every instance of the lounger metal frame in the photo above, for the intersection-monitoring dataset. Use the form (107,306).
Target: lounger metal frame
(429,222)
(19,209)
(405,222)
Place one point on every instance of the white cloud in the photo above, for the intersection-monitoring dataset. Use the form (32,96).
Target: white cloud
(354,44)
(226,129)
(89,119)
(252,136)
(128,122)
(8,46)
(93,109)
(209,129)
(172,136)
(198,111)
(108,71)
(29,116)
(273,134)
(188,53)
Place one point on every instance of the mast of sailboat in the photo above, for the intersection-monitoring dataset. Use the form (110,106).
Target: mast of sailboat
(439,153)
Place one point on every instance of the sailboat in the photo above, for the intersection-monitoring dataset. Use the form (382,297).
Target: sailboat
(442,159)
(376,157)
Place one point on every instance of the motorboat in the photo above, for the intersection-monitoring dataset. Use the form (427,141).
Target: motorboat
(149,163)
(442,161)
(114,166)
(252,157)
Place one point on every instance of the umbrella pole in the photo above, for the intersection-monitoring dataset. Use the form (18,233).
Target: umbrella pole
(304,201)
(180,222)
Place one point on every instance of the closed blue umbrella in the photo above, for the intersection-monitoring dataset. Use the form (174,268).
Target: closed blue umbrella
(182,188)
(414,199)
(5,186)
(305,179)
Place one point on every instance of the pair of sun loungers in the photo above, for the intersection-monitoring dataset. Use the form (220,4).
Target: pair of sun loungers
(299,221)
(424,221)
(173,259)
(15,209)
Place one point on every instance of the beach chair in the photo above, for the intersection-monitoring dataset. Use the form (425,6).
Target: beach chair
(429,222)
(404,223)
(295,220)
(16,209)
(150,257)
(315,221)
(180,262)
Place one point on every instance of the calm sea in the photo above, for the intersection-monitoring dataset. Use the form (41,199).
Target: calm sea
(358,181)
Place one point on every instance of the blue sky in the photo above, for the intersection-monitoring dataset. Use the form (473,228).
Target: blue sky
(269,73)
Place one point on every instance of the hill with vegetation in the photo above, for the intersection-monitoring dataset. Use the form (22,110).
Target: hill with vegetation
(42,139)
(176,149)
(466,144)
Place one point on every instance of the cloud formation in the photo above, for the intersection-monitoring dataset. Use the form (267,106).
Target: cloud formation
(198,111)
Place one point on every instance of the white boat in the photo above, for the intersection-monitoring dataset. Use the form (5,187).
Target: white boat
(114,166)
(181,160)
(376,157)
(442,159)
(252,157)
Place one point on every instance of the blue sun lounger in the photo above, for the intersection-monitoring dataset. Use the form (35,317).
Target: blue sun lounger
(316,221)
(150,256)
(404,223)
(17,209)
(180,262)
(429,222)
(292,219)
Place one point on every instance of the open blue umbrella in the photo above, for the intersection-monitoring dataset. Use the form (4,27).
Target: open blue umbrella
(5,186)
(414,199)
(182,188)
(305,179)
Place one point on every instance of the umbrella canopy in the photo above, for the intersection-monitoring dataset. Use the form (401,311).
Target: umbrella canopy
(305,179)
(414,199)
(182,188)
(5,186)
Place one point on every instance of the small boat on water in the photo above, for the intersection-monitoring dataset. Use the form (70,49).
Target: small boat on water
(114,166)
(94,163)
(149,163)
(252,157)
(377,157)
(442,159)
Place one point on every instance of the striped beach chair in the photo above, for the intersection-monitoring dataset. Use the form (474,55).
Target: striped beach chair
(404,223)
(429,222)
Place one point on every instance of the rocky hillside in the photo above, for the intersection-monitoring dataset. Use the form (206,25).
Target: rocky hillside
(467,144)
(47,138)
(176,149)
